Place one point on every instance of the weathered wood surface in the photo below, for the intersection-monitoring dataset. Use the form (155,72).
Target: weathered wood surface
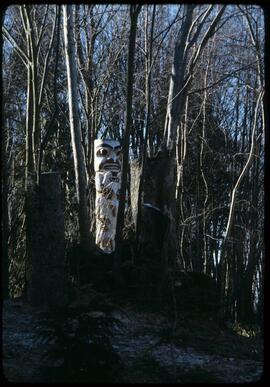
(46,267)
(153,215)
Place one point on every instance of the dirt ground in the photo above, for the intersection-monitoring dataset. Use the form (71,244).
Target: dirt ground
(198,351)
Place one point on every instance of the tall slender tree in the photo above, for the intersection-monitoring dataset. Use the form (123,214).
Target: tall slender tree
(75,127)
(134,13)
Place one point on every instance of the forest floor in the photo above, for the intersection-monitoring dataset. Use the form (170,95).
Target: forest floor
(196,351)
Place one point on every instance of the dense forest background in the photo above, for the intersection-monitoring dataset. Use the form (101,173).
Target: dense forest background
(181,87)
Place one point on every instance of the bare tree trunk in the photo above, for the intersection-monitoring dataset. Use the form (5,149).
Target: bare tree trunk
(86,71)
(5,221)
(176,97)
(223,264)
(134,13)
(175,107)
(180,81)
(34,96)
(266,9)
(181,152)
(206,266)
(76,135)
(148,67)
(29,162)
(32,55)
(49,129)
(29,158)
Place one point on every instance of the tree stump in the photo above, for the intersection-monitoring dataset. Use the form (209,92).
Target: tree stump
(153,219)
(46,277)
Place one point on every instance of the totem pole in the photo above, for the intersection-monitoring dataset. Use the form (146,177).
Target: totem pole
(108,162)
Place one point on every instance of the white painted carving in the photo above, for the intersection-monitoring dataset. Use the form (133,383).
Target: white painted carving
(108,165)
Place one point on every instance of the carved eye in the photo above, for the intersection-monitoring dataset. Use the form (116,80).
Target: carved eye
(102,152)
(118,153)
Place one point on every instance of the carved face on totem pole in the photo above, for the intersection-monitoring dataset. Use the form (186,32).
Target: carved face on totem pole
(108,165)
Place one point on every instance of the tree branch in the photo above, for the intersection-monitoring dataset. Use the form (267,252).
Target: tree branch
(24,57)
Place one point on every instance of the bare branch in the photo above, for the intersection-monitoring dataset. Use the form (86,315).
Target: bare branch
(24,57)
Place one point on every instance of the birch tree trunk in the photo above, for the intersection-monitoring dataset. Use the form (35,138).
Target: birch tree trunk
(75,128)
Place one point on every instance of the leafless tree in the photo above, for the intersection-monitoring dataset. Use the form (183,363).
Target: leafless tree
(76,135)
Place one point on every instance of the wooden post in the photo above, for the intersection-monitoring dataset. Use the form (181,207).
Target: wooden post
(46,268)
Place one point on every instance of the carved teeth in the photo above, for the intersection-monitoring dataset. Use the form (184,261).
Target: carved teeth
(111,167)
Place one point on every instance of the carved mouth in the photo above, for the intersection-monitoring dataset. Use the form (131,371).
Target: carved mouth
(111,167)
